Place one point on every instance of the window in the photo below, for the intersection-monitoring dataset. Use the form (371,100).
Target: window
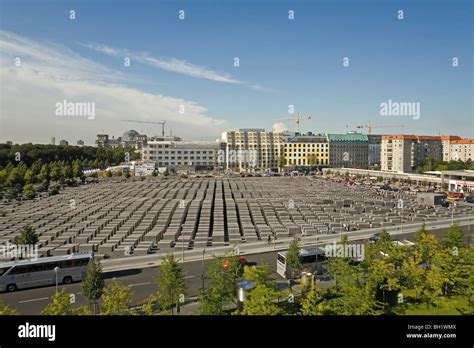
(19,270)
(281,258)
(3,270)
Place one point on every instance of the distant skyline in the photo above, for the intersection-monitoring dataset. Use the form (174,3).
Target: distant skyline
(183,70)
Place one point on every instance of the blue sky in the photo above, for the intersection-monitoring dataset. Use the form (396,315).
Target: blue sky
(282,62)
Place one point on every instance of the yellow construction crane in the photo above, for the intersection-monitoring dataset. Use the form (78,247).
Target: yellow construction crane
(297,118)
(369,127)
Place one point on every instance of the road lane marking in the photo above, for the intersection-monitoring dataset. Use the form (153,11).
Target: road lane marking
(138,284)
(191,276)
(35,299)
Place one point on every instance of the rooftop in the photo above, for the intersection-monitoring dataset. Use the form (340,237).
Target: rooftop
(352,137)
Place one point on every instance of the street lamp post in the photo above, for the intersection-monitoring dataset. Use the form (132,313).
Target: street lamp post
(452,213)
(56,271)
(182,245)
(202,274)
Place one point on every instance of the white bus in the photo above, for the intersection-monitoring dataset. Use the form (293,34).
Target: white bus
(24,274)
(311,259)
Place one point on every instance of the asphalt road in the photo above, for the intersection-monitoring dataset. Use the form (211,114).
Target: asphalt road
(32,301)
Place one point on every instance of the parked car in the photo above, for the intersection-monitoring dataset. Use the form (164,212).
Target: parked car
(455,196)
(470,198)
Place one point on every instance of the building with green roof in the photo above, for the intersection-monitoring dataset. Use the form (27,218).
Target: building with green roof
(349,150)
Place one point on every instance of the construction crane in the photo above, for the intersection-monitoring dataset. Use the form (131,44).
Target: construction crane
(298,120)
(162,124)
(369,127)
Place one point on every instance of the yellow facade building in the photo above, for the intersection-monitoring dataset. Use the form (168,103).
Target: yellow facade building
(307,151)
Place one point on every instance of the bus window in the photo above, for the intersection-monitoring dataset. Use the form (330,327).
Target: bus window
(66,264)
(3,270)
(19,270)
(38,267)
(308,259)
(281,258)
(83,262)
(49,266)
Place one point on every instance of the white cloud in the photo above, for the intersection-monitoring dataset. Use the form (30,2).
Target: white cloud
(175,65)
(169,64)
(280,127)
(50,73)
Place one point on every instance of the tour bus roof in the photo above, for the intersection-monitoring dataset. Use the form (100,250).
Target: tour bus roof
(73,256)
(306,251)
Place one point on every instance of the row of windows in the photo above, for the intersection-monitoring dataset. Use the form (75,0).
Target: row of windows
(179,152)
(49,266)
(161,164)
(300,161)
(306,145)
(184,158)
(304,150)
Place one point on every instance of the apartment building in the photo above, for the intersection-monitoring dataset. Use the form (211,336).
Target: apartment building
(190,155)
(348,150)
(307,151)
(253,148)
(375,142)
(404,153)
(446,143)
(462,150)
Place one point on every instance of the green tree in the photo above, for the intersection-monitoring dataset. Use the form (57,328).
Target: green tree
(44,173)
(259,275)
(385,280)
(29,177)
(116,299)
(55,172)
(29,191)
(27,236)
(293,257)
(54,189)
(427,245)
(6,309)
(61,305)
(433,285)
(412,274)
(93,285)
(453,237)
(66,171)
(15,178)
(171,283)
(77,169)
(222,288)
(152,305)
(261,301)
(311,304)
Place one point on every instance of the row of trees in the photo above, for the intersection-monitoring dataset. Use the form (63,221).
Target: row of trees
(47,167)
(432,272)
(433,164)
(91,157)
